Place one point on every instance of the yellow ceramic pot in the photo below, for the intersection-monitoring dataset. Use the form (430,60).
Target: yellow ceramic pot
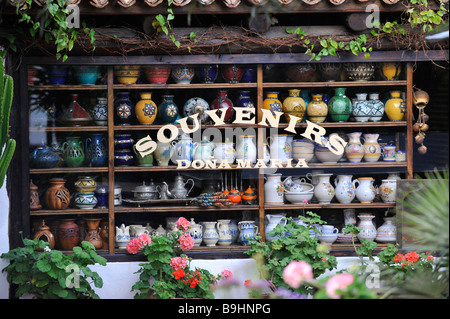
(127,74)
(317,109)
(395,107)
(294,105)
(146,109)
(272,102)
(389,71)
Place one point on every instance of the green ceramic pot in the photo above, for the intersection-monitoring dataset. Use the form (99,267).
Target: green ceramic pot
(339,106)
(73,152)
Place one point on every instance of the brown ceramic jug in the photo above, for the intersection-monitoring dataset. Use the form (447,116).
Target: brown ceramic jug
(93,232)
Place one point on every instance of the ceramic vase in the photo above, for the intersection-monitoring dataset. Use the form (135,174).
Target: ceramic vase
(124,109)
(294,105)
(123,157)
(344,189)
(100,112)
(366,227)
(247,230)
(249,74)
(168,111)
(244,100)
(210,234)
(354,150)
(34,197)
(280,149)
(273,221)
(184,149)
(395,107)
(388,190)
(317,109)
(122,141)
(273,190)
(272,103)
(362,110)
(144,161)
(157,74)
(183,74)
(376,106)
(73,152)
(68,234)
(163,153)
(359,71)
(85,200)
(85,184)
(232,73)
(246,149)
(146,110)
(323,191)
(196,232)
(387,233)
(122,237)
(302,149)
(102,196)
(389,153)
(365,191)
(196,105)
(96,150)
(223,103)
(372,150)
(224,231)
(339,106)
(330,72)
(57,195)
(207,73)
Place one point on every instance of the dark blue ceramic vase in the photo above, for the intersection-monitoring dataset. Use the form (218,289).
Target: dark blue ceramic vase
(249,75)
(244,100)
(207,73)
(124,109)
(168,110)
(57,74)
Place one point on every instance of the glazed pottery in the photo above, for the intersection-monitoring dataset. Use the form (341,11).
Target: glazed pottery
(246,148)
(68,234)
(57,74)
(210,234)
(299,197)
(395,107)
(317,109)
(302,149)
(117,195)
(249,196)
(389,71)
(359,71)
(302,72)
(100,112)
(168,110)
(203,151)
(330,72)
(160,231)
(339,106)
(362,109)
(87,74)
(184,149)
(372,150)
(349,216)
(96,150)
(85,200)
(46,235)
(344,189)
(327,239)
(34,197)
(44,157)
(324,191)
(394,176)
(122,141)
(376,106)
(249,74)
(224,231)
(122,237)
(157,74)
(247,230)
(273,190)
(146,109)
(224,152)
(75,114)
(146,161)
(389,153)
(294,105)
(73,152)
(223,103)
(123,157)
(329,230)
(365,191)
(85,184)
(387,233)
(196,105)
(244,100)
(124,109)
(234,231)
(297,185)
(207,73)
(183,74)
(304,94)
(279,149)
(57,196)
(127,74)
(163,153)
(232,73)
(102,196)
(272,103)
(273,221)
(388,190)
(196,232)
(354,150)
(324,154)
(266,153)
(366,227)
(400,156)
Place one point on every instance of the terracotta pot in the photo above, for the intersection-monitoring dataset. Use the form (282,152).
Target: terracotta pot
(45,234)
(57,196)
(34,197)
(93,232)
(157,74)
(68,234)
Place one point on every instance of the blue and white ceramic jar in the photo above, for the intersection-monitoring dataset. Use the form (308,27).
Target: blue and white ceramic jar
(124,109)
(85,200)
(210,234)
(247,230)
(196,105)
(100,111)
(96,150)
(207,73)
(361,109)
(183,74)
(376,106)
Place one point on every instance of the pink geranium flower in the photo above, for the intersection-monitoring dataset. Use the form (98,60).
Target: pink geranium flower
(186,242)
(338,282)
(297,272)
(183,224)
(227,273)
(133,246)
(144,239)
(178,263)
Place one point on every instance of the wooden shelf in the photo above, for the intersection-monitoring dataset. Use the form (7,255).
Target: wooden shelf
(158,126)
(187,208)
(330,206)
(352,124)
(68,170)
(70,129)
(332,84)
(202,86)
(67,87)
(68,211)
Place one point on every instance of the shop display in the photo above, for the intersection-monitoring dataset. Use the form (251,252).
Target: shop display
(183,74)
(317,109)
(395,107)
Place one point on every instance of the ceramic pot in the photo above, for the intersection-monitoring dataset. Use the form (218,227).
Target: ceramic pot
(359,71)
(122,237)
(183,74)
(210,235)
(324,191)
(362,110)
(224,152)
(389,153)
(196,232)
(123,141)
(234,231)
(395,107)
(85,184)
(266,153)
(87,74)
(85,200)
(389,71)
(160,231)
(196,105)
(365,191)
(73,152)
(330,72)
(302,149)
(372,150)
(272,103)
(294,105)
(244,100)
(280,149)
(57,196)
(68,234)
(157,74)
(249,75)
(302,72)
(324,154)
(34,197)
(75,114)
(124,109)
(184,148)
(224,103)
(100,111)
(127,74)
(354,150)
(232,73)
(57,74)
(207,73)
(45,157)
(246,149)
(388,190)
(387,233)
(163,153)
(123,157)
(273,190)
(249,196)
(96,150)
(340,106)
(376,106)
(317,109)
(247,230)
(224,231)
(168,110)
(344,189)
(146,110)
(273,221)
(145,161)
(44,233)
(366,227)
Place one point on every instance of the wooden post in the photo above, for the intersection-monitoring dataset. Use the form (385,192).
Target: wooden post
(260,143)
(111,223)
(409,119)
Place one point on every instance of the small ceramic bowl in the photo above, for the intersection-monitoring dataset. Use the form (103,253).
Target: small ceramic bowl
(299,197)
(327,239)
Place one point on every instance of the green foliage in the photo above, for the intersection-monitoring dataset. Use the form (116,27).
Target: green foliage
(293,242)
(50,274)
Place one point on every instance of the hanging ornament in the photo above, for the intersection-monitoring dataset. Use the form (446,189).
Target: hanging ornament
(421,99)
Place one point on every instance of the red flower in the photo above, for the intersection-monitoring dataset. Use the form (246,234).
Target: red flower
(186,242)
(412,257)
(247,282)
(399,257)
(178,263)
(178,273)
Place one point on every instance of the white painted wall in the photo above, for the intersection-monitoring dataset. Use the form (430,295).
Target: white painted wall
(4,239)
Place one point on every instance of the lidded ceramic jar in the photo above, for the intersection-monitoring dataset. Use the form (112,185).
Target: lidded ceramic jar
(376,106)
(395,107)
(100,111)
(294,105)
(387,233)
(317,109)
(340,106)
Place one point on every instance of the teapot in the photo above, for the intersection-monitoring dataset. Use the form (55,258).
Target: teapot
(178,189)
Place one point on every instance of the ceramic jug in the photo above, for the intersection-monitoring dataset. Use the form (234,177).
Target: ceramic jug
(366,227)
(184,148)
(273,190)
(210,234)
(365,191)
(163,153)
(273,221)
(196,232)
(344,189)
(388,190)
(96,150)
(279,148)
(372,150)
(247,230)
(246,148)
(203,151)
(224,152)
(354,150)
(387,233)
(224,231)
(122,236)
(395,107)
(324,191)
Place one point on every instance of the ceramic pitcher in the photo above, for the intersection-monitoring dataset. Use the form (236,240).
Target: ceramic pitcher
(273,190)
(344,189)
(196,232)
(246,148)
(163,153)
(365,191)
(224,231)
(388,190)
(247,230)
(224,152)
(279,148)
(372,150)
(324,191)
(273,221)
(122,236)
(354,150)
(184,148)
(210,234)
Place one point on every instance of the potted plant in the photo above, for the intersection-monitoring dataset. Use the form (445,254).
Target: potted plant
(46,273)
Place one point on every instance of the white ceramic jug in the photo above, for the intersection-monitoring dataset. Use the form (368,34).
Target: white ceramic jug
(324,191)
(210,235)
(224,231)
(273,190)
(122,236)
(365,191)
(273,221)
(344,189)
(246,149)
(279,148)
